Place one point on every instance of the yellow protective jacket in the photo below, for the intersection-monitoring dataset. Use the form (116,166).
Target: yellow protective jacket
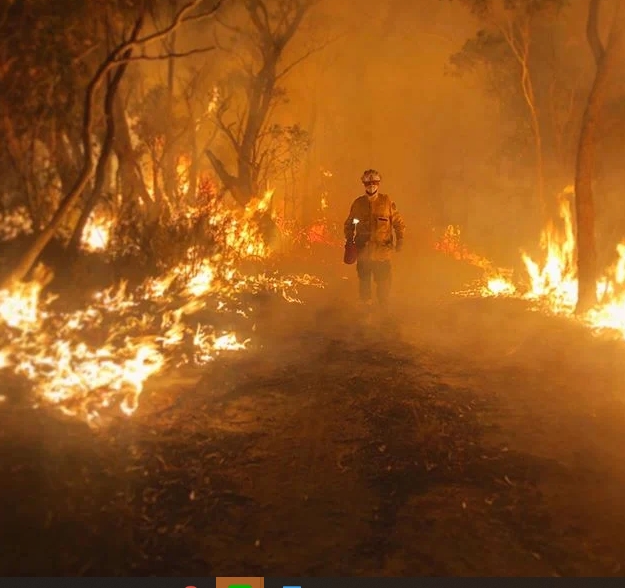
(373,233)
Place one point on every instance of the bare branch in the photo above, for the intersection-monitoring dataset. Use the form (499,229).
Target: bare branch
(508,34)
(225,128)
(592,31)
(226,177)
(245,66)
(167,55)
(285,10)
(300,12)
(235,29)
(182,16)
(265,14)
(85,53)
(306,55)
(262,24)
(241,116)
(30,256)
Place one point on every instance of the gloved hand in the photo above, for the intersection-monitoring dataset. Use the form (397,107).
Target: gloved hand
(399,245)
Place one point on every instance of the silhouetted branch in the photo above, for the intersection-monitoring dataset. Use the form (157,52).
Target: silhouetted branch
(168,55)
(592,31)
(182,16)
(306,55)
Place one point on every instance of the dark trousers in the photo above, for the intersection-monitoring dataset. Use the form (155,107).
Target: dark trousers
(380,273)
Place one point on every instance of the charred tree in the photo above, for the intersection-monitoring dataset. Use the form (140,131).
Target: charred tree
(132,182)
(514,24)
(105,154)
(170,183)
(194,172)
(606,61)
(273,34)
(113,61)
(30,256)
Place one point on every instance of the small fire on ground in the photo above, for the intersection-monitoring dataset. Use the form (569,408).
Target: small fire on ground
(91,361)
(552,285)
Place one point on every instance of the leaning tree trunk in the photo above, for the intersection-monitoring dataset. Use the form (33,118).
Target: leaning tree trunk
(30,256)
(105,154)
(607,60)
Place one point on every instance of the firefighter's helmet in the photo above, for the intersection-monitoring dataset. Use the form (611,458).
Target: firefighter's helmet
(371,175)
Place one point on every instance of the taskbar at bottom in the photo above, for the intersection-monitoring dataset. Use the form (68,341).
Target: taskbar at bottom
(286,582)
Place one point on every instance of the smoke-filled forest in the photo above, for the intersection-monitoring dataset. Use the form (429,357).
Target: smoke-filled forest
(312,287)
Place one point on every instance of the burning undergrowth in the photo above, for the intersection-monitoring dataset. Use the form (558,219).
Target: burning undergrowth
(551,286)
(94,361)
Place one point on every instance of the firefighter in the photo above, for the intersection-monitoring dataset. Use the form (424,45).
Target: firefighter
(372,219)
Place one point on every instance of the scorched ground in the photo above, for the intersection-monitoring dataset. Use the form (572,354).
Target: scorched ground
(464,437)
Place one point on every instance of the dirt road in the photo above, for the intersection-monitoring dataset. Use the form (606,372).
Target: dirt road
(464,437)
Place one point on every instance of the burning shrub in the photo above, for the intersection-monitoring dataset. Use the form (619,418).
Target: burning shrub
(95,359)
(205,225)
(299,239)
(451,244)
(495,281)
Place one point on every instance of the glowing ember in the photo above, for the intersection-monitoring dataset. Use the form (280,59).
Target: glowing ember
(499,286)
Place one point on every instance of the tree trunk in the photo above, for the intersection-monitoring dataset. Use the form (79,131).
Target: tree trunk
(66,164)
(310,198)
(193,165)
(17,156)
(170,183)
(30,256)
(527,86)
(260,94)
(129,170)
(231,183)
(105,154)
(540,170)
(244,185)
(607,61)
(259,103)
